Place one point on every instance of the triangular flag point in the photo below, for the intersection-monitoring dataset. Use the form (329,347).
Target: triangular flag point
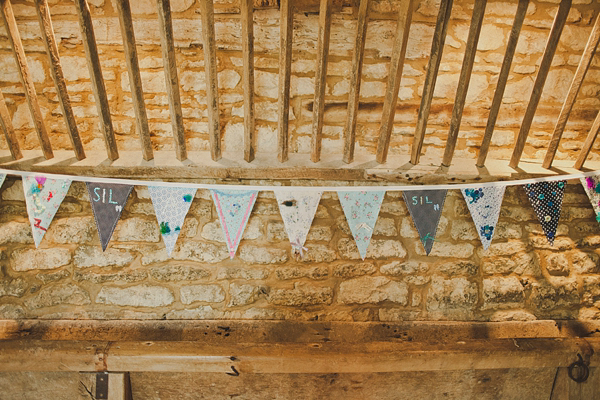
(233,208)
(361,210)
(108,201)
(297,210)
(425,207)
(484,206)
(546,200)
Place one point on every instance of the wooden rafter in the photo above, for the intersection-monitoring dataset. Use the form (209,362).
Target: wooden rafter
(34,107)
(393,85)
(502,79)
(589,141)
(285,70)
(247,9)
(463,81)
(437,46)
(171,77)
(9,131)
(563,117)
(540,80)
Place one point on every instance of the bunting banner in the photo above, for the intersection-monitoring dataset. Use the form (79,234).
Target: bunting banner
(108,201)
(2,178)
(484,206)
(361,210)
(297,209)
(43,196)
(546,200)
(591,185)
(425,207)
(233,208)
(171,205)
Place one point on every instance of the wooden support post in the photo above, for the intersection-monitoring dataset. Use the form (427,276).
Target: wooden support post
(9,131)
(93,62)
(563,117)
(589,141)
(463,81)
(117,387)
(285,71)
(320,78)
(135,78)
(393,85)
(171,79)
(43,13)
(355,78)
(248,55)
(540,80)
(212,84)
(502,79)
(34,107)
(437,46)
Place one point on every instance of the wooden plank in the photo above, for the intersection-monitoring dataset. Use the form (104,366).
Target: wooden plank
(320,78)
(563,117)
(393,85)
(119,386)
(285,70)
(589,142)
(93,62)
(212,84)
(171,79)
(437,47)
(355,79)
(540,80)
(511,46)
(463,81)
(9,131)
(34,107)
(43,13)
(247,11)
(135,78)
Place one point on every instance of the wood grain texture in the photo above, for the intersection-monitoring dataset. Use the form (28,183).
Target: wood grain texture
(210,70)
(393,85)
(93,62)
(464,79)
(135,78)
(247,13)
(285,70)
(589,142)
(563,117)
(171,78)
(355,79)
(24,73)
(540,80)
(9,131)
(509,54)
(437,47)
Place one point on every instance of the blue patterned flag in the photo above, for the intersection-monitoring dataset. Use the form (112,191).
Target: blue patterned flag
(171,205)
(234,207)
(108,201)
(484,206)
(297,210)
(361,210)
(425,207)
(546,200)
(591,184)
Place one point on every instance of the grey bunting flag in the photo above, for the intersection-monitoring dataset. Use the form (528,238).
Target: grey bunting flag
(108,201)
(425,207)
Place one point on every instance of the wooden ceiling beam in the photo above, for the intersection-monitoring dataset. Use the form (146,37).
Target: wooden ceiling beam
(247,11)
(9,131)
(286,26)
(540,80)
(589,141)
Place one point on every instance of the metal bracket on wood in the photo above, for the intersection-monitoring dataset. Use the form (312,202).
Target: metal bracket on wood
(101,386)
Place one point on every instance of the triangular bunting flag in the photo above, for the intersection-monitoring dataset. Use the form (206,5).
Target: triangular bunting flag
(425,207)
(591,184)
(361,210)
(2,178)
(484,205)
(108,201)
(297,209)
(171,205)
(234,207)
(546,200)
(43,196)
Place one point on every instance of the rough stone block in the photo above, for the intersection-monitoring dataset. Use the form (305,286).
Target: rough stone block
(448,294)
(15,232)
(30,259)
(353,270)
(316,273)
(241,295)
(64,294)
(378,249)
(444,249)
(49,277)
(242,273)
(318,253)
(125,276)
(135,296)
(458,268)
(561,293)
(400,268)
(136,230)
(557,264)
(502,292)
(200,251)
(13,287)
(205,293)
(92,256)
(262,255)
(303,294)
(11,311)
(175,273)
(585,263)
(372,289)
(72,230)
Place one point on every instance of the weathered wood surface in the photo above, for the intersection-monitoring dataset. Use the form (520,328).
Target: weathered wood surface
(566,388)
(25,74)
(9,131)
(210,70)
(464,79)
(355,79)
(286,26)
(563,117)
(540,80)
(435,57)
(135,78)
(247,12)
(393,85)
(511,46)
(167,45)
(589,142)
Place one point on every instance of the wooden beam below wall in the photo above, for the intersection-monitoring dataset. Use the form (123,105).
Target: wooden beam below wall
(9,131)
(247,11)
(286,26)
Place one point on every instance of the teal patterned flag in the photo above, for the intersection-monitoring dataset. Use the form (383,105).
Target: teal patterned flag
(361,210)
(484,206)
(546,200)
(234,207)
(425,207)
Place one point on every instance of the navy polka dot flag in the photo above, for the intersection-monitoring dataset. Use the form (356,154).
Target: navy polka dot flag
(546,199)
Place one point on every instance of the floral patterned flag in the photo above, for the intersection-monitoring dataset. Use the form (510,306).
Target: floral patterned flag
(171,205)
(361,210)
(297,209)
(234,207)
(484,205)
(546,200)
(591,184)
(108,201)
(425,207)
(43,196)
